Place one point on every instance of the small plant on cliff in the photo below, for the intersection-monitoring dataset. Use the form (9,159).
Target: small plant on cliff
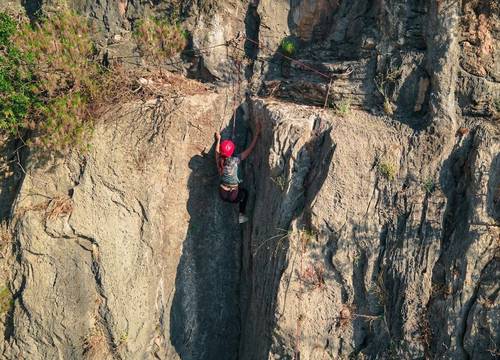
(344,107)
(387,170)
(5,301)
(159,39)
(16,95)
(429,186)
(384,82)
(288,47)
(281,182)
(123,340)
(95,345)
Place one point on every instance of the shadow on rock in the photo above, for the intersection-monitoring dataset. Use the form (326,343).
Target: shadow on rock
(205,314)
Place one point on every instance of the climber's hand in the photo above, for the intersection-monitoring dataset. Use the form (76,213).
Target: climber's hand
(217,136)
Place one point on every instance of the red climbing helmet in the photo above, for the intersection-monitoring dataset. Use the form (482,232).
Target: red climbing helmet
(227,148)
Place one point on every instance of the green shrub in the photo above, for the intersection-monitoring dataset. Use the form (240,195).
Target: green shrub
(5,301)
(288,47)
(61,54)
(387,170)
(281,182)
(429,186)
(48,76)
(344,107)
(16,89)
(158,39)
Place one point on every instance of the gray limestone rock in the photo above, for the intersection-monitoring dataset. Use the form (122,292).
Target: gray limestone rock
(374,201)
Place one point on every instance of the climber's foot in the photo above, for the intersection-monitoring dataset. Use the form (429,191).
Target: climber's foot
(242,218)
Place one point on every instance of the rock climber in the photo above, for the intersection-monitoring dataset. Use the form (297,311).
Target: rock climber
(227,166)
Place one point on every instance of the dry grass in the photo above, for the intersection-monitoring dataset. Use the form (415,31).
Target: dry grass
(55,207)
(302,238)
(124,84)
(5,239)
(158,40)
(95,345)
(383,82)
(313,276)
(59,207)
(486,303)
(348,314)
(280,237)
(439,289)
(425,332)
(377,289)
(42,206)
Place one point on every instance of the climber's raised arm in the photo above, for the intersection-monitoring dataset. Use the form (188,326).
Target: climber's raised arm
(249,150)
(217,152)
(217,146)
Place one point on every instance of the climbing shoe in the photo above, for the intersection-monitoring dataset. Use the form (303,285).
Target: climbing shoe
(242,219)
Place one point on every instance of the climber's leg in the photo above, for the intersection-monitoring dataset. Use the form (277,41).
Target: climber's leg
(242,199)
(236,195)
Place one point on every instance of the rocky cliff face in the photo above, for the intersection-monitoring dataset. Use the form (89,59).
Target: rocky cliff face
(374,225)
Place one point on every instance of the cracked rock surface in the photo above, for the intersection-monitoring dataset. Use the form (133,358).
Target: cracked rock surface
(374,205)
(110,243)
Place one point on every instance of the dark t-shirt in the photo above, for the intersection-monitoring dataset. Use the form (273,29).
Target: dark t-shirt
(230,170)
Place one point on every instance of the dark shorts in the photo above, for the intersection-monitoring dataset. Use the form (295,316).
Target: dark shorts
(229,195)
(236,195)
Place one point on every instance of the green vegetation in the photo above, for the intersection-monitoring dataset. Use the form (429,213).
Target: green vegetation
(51,82)
(387,170)
(429,186)
(47,78)
(159,39)
(344,107)
(281,182)
(288,47)
(5,301)
(16,93)
(384,82)
(176,9)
